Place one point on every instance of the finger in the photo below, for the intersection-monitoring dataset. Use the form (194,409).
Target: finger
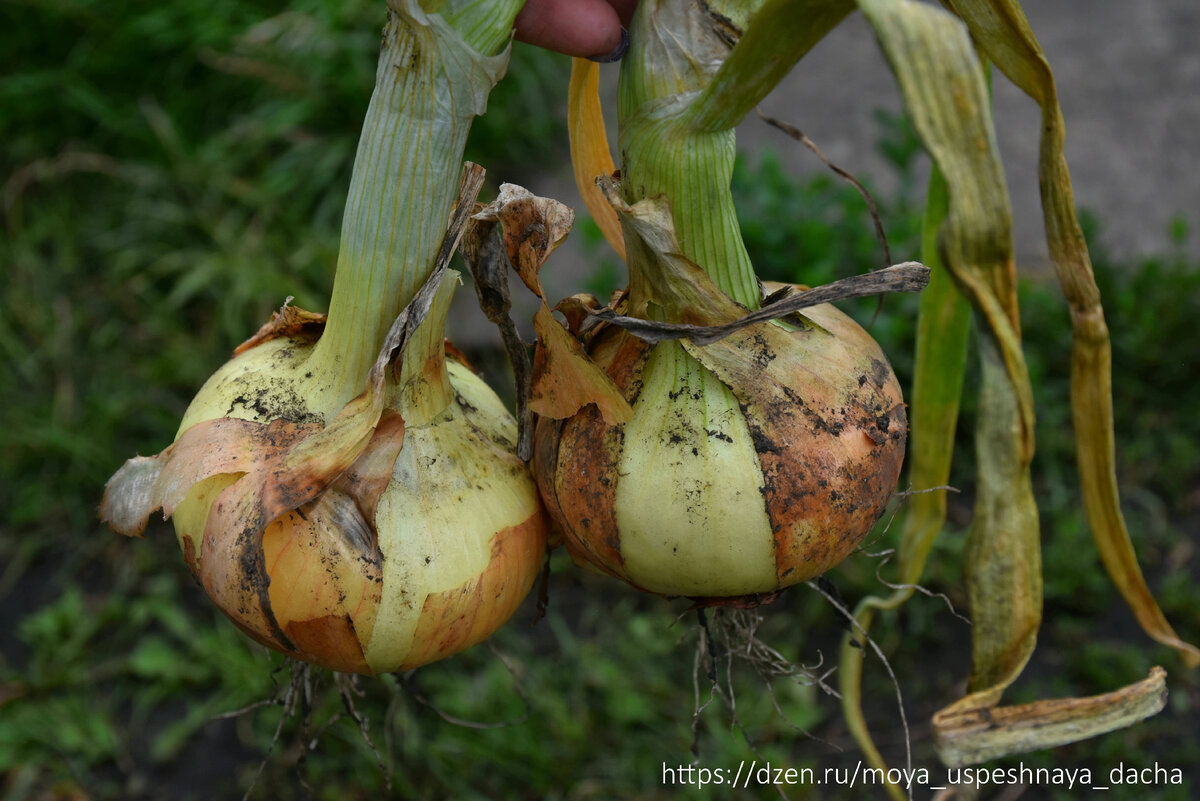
(585,28)
(624,9)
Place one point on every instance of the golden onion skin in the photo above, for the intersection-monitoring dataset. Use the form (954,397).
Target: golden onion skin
(764,471)
(426,565)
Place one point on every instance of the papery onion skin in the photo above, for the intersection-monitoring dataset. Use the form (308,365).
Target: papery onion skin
(817,432)
(401,590)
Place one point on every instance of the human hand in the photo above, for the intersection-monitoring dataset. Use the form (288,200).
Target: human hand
(596,29)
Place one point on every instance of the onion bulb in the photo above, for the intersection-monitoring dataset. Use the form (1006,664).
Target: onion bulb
(344,492)
(748,460)
(748,464)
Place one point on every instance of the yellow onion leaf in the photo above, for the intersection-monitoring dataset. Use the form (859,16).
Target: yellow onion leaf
(945,92)
(590,154)
(979,735)
(939,366)
(943,324)
(1003,34)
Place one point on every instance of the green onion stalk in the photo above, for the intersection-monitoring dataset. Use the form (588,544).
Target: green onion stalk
(346,491)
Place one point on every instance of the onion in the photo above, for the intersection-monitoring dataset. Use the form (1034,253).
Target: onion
(749,463)
(345,493)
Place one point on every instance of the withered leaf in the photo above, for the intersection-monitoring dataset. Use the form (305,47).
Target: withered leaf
(290,322)
(533,227)
(1004,35)
(580,312)
(565,379)
(907,277)
(979,735)
(945,92)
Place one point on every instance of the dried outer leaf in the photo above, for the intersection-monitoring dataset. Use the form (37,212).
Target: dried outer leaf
(483,252)
(686,293)
(681,289)
(940,363)
(484,255)
(369,475)
(454,354)
(845,175)
(564,378)
(129,495)
(232,567)
(470,182)
(290,322)
(533,228)
(579,310)
(214,447)
(910,276)
(325,588)
(325,563)
(945,92)
(590,154)
(979,735)
(273,481)
(1003,34)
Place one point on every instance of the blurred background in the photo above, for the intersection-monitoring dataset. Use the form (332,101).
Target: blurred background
(170,172)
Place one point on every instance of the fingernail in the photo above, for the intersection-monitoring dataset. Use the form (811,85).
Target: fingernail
(615,55)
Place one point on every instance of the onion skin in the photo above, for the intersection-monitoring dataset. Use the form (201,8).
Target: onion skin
(375,575)
(819,436)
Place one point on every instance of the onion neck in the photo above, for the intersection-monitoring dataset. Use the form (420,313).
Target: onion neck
(676,49)
(435,71)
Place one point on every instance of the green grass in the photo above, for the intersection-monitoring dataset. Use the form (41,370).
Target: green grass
(171,173)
